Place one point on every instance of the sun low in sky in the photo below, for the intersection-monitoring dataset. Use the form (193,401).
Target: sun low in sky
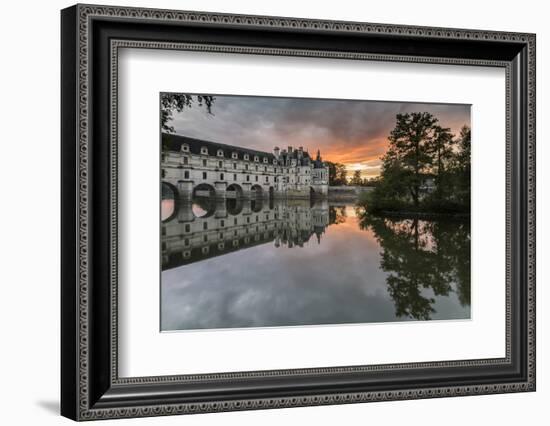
(352,132)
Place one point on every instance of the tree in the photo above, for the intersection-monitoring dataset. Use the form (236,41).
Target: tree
(419,255)
(422,152)
(170,102)
(463,167)
(356,179)
(441,151)
(337,174)
(411,143)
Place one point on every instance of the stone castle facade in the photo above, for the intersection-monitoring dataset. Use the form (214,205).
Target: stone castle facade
(195,167)
(230,226)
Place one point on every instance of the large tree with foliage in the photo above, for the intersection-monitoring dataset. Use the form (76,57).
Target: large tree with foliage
(411,145)
(424,169)
(442,154)
(177,102)
(356,178)
(337,174)
(462,166)
(418,256)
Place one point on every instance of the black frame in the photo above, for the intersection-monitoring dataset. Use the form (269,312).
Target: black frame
(90,387)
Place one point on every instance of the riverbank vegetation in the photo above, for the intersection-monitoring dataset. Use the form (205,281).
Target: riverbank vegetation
(426,169)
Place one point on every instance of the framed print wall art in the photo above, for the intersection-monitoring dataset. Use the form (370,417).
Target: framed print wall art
(264,212)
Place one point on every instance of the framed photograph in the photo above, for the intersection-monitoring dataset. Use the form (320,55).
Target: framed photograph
(263,212)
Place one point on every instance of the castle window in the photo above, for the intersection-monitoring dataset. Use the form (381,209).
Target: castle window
(246,156)
(221,176)
(222,223)
(234,165)
(234,155)
(204,175)
(220,164)
(185,160)
(248,178)
(265,169)
(256,178)
(256,159)
(205,226)
(256,168)
(267,178)
(274,161)
(163,173)
(235,222)
(265,159)
(204,163)
(204,150)
(186,174)
(234,177)
(220,153)
(187,228)
(246,166)
(185,147)
(186,241)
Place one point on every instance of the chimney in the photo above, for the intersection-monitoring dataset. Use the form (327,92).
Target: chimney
(276,152)
(289,149)
(301,149)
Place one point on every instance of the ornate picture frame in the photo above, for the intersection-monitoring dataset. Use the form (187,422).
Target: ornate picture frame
(91,37)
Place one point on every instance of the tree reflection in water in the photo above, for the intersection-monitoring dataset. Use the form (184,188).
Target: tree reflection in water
(257,262)
(423,259)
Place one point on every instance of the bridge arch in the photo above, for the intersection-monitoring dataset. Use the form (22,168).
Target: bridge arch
(203,201)
(169,202)
(234,206)
(256,191)
(256,204)
(234,191)
(204,190)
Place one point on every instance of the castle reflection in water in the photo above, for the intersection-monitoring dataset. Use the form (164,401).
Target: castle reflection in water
(198,229)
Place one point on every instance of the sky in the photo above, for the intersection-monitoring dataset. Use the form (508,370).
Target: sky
(351,132)
(297,285)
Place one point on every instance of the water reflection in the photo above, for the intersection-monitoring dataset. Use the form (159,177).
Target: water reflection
(254,263)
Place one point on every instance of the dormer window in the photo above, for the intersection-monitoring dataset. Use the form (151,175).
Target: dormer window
(256,159)
(246,156)
(204,150)
(234,155)
(220,153)
(275,162)
(265,159)
(185,147)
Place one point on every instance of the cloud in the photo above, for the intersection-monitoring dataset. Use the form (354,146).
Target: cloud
(345,131)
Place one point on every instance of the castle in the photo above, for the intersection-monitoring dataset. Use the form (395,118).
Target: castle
(195,167)
(228,226)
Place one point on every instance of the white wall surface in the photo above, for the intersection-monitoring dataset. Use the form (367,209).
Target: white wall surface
(29,218)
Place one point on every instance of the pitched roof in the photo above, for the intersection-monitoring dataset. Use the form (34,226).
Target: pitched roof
(172,142)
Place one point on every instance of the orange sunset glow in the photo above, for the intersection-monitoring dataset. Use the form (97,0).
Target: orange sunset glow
(351,132)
